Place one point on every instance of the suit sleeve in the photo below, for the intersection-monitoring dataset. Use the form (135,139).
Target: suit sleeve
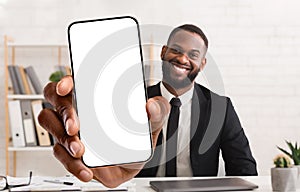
(235,147)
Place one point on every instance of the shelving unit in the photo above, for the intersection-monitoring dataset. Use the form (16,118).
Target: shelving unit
(29,149)
(10,96)
(9,59)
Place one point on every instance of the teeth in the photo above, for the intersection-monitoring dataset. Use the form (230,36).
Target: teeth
(179,69)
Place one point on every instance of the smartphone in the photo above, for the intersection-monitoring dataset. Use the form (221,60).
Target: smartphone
(109,90)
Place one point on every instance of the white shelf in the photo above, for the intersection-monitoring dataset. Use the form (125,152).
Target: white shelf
(37,148)
(25,96)
(55,45)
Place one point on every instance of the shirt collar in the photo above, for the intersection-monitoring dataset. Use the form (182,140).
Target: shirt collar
(184,98)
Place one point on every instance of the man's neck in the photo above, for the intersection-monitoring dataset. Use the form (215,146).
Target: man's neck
(179,91)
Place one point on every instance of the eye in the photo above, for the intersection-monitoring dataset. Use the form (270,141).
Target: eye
(175,50)
(194,55)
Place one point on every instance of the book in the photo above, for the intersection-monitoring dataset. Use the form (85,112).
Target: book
(28,124)
(19,79)
(37,86)
(13,78)
(47,105)
(25,81)
(62,69)
(16,123)
(68,70)
(42,134)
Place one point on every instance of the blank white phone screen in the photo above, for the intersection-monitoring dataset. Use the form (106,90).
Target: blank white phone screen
(110,94)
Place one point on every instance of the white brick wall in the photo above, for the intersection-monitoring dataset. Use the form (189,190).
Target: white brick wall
(255,44)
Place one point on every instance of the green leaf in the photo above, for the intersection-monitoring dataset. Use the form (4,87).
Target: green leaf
(56,76)
(290,145)
(285,163)
(296,160)
(284,151)
(295,152)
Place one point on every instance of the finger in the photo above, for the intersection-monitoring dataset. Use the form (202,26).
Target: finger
(64,107)
(50,121)
(73,165)
(158,109)
(64,86)
(113,176)
(71,121)
(133,166)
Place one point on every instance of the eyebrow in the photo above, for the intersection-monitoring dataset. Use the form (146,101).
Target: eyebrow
(178,46)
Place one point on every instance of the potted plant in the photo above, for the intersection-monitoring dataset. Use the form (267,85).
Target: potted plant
(283,176)
(56,76)
(295,155)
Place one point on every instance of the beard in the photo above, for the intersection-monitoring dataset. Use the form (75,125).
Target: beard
(177,83)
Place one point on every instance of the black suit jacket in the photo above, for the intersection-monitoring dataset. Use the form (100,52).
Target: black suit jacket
(215,127)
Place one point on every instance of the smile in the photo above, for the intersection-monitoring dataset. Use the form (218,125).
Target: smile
(180,68)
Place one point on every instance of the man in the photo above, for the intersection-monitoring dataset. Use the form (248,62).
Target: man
(207,123)
(183,58)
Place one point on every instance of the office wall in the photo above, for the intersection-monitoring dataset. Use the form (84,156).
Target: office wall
(255,45)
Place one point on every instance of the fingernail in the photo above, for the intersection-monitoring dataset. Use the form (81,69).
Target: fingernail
(85,175)
(69,124)
(75,147)
(152,106)
(60,87)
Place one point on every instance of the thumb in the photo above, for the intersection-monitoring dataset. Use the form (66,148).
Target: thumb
(65,86)
(158,109)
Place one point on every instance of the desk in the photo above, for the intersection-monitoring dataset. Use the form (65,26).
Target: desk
(142,184)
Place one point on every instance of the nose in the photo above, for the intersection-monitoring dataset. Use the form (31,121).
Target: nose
(183,58)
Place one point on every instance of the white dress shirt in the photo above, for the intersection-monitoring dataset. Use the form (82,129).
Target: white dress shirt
(183,141)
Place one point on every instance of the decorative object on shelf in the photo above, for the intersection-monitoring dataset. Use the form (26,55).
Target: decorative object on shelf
(60,73)
(56,76)
(295,155)
(283,176)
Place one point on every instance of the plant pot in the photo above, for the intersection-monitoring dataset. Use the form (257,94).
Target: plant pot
(284,179)
(298,180)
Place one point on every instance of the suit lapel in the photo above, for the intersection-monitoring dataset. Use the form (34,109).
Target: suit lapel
(199,121)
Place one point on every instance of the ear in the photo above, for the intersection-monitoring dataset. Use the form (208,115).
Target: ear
(163,51)
(203,64)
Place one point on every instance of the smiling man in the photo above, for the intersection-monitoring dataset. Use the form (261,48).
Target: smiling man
(201,111)
(182,59)
(194,119)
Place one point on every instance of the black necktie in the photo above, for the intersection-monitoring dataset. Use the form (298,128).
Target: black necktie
(171,144)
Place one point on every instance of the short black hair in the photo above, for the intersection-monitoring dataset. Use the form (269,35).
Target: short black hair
(190,28)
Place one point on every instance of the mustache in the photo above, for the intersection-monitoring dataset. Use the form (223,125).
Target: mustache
(177,63)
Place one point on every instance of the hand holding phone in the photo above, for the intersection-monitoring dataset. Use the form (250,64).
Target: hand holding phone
(62,123)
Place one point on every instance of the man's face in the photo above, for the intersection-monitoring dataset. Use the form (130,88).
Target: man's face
(183,58)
